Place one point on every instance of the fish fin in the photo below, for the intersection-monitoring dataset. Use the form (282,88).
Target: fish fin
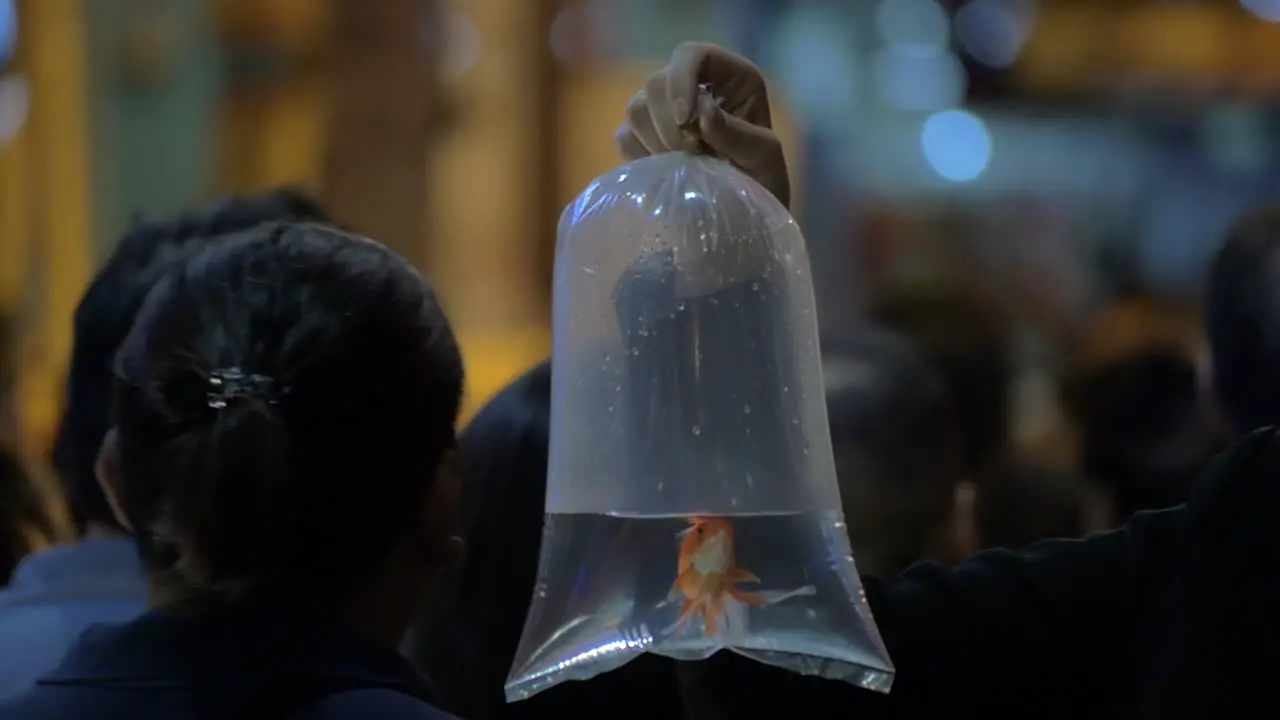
(711,615)
(740,574)
(676,586)
(686,614)
(748,598)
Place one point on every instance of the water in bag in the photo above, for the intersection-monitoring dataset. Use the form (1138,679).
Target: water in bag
(691,496)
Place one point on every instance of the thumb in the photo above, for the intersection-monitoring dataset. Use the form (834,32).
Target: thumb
(754,149)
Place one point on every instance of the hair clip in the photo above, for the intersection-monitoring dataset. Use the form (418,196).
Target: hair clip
(232,383)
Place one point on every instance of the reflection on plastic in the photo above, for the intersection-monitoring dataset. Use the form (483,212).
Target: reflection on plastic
(691,495)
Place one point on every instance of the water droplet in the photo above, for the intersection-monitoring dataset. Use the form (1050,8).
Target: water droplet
(746,409)
(755,286)
(635,351)
(697,429)
(786,388)
(610,408)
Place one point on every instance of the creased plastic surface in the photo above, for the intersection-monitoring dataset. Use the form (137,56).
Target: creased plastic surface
(691,496)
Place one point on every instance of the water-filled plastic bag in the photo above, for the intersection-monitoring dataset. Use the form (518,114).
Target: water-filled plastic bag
(692,503)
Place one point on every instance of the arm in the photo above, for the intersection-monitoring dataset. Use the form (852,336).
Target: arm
(1005,631)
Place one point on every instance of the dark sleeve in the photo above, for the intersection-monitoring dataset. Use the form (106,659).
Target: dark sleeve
(1001,630)
(1002,633)
(373,704)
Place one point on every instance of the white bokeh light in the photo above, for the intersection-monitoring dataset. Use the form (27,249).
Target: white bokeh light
(956,145)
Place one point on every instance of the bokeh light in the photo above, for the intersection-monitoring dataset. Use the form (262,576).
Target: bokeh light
(956,145)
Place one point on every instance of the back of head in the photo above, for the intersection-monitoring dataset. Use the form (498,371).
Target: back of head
(467,637)
(143,255)
(1242,321)
(1145,432)
(283,404)
(897,446)
(967,343)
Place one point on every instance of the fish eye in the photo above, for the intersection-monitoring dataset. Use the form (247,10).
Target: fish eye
(701,530)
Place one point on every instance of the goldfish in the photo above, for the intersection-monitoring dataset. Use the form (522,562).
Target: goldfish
(708,572)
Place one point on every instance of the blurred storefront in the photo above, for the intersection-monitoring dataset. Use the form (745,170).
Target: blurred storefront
(1000,140)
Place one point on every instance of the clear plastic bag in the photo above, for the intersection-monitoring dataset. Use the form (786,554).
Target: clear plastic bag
(692,503)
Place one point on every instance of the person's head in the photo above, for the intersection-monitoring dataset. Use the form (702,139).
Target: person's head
(1145,432)
(143,255)
(967,343)
(1018,504)
(468,634)
(30,517)
(1242,322)
(898,451)
(469,631)
(284,415)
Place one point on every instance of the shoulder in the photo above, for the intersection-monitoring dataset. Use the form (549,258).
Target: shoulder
(373,703)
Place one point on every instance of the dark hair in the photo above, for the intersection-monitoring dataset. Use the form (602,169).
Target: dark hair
(967,343)
(283,403)
(897,446)
(1145,432)
(1242,321)
(106,312)
(468,635)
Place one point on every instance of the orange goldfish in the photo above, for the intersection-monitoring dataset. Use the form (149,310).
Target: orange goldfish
(707,572)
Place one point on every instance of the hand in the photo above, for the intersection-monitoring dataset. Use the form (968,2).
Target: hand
(733,119)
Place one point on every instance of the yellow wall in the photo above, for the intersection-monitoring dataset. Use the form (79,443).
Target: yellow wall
(59,196)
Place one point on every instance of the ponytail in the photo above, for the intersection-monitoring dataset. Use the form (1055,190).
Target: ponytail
(223,475)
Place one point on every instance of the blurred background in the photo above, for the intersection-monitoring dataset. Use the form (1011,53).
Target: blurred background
(1068,165)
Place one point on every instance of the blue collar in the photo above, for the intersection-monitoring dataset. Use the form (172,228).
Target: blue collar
(98,568)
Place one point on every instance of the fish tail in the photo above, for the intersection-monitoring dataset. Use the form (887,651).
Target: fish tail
(710,617)
(686,614)
(747,598)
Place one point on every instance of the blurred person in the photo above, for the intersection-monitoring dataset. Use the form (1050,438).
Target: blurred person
(898,453)
(468,637)
(1145,431)
(1165,617)
(1020,503)
(29,520)
(284,427)
(966,341)
(57,593)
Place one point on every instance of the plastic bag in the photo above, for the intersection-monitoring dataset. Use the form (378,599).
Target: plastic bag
(692,503)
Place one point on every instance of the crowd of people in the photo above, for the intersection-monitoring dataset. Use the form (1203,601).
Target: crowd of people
(275,517)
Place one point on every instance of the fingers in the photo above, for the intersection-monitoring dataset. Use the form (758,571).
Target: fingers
(628,145)
(641,121)
(661,112)
(684,72)
(754,149)
(651,126)
(731,77)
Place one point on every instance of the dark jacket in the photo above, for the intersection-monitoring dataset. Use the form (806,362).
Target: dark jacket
(1168,617)
(224,665)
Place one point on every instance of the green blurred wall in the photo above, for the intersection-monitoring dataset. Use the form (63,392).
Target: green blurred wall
(154,133)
